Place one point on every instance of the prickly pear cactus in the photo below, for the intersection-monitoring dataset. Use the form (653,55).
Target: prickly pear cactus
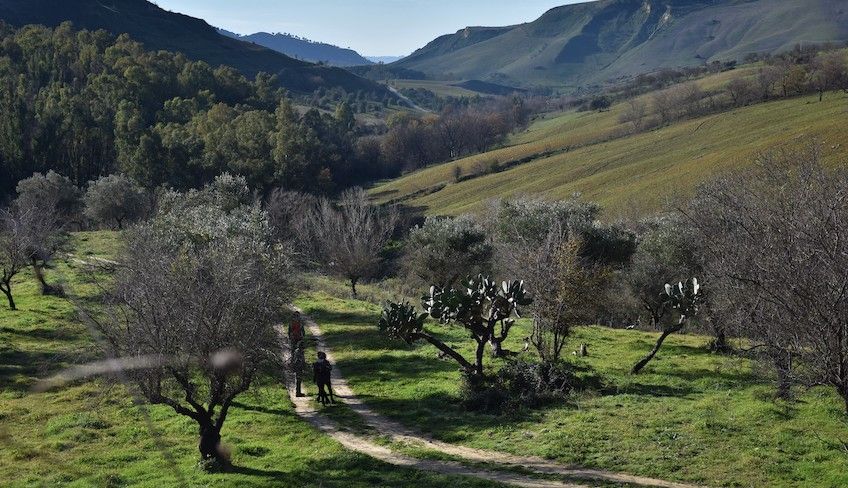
(686,297)
(399,320)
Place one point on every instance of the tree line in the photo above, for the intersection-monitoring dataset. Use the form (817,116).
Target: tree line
(802,71)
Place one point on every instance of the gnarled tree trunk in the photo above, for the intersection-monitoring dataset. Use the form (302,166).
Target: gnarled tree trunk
(210,440)
(6,288)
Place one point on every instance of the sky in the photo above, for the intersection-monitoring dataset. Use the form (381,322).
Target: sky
(371,27)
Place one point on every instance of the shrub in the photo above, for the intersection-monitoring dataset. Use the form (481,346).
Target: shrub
(519,384)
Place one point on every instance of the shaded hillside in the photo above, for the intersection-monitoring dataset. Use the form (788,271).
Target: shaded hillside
(304,49)
(608,39)
(162,30)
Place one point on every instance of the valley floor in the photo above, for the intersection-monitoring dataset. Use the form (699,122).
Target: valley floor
(692,417)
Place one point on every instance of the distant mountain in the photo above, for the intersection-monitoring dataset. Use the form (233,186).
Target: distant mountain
(304,49)
(159,29)
(384,59)
(598,41)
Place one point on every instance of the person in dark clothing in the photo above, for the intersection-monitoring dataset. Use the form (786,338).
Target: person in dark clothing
(298,347)
(322,371)
(298,365)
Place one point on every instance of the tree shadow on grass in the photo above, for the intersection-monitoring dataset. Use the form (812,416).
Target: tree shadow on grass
(650,390)
(731,378)
(351,318)
(19,369)
(261,409)
(346,470)
(393,368)
(266,473)
(43,333)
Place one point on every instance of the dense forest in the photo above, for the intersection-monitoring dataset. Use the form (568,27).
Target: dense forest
(86,104)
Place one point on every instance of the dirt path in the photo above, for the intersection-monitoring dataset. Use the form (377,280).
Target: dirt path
(400,433)
(305,408)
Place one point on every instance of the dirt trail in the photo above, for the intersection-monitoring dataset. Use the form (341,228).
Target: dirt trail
(305,408)
(400,433)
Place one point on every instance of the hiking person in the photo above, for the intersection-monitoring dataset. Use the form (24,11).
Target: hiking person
(297,344)
(297,365)
(296,329)
(322,371)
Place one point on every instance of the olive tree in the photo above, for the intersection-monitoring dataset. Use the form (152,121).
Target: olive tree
(115,199)
(444,249)
(53,194)
(54,203)
(200,289)
(774,248)
(14,255)
(665,251)
(482,307)
(522,224)
(348,236)
(27,235)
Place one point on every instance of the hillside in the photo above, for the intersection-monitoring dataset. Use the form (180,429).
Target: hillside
(594,153)
(594,42)
(304,49)
(158,29)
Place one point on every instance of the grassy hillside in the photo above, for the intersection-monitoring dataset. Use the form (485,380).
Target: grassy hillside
(592,154)
(593,42)
(692,416)
(158,29)
(91,433)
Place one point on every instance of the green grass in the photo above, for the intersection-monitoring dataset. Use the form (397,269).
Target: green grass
(629,175)
(692,416)
(91,433)
(440,88)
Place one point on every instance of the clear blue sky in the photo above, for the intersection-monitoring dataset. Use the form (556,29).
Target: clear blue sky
(372,27)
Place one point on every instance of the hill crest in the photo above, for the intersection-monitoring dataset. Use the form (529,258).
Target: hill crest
(597,42)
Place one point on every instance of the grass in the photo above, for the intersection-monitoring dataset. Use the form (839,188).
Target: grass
(630,175)
(691,416)
(91,433)
(440,88)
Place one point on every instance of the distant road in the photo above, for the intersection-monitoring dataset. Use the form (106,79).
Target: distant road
(407,100)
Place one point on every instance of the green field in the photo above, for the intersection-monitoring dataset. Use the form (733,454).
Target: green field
(692,416)
(440,88)
(629,175)
(91,433)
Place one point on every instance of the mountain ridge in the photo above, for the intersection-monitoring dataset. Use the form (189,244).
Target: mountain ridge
(159,29)
(303,49)
(605,40)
